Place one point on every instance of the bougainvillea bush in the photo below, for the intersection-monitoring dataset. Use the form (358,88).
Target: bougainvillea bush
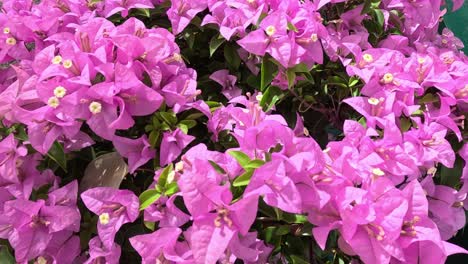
(231,131)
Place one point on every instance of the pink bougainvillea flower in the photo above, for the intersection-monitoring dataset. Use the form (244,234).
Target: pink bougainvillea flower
(161,246)
(114,6)
(372,219)
(114,208)
(277,188)
(430,145)
(34,224)
(172,145)
(10,157)
(137,151)
(272,38)
(446,208)
(64,247)
(166,213)
(227,82)
(420,238)
(213,233)
(182,12)
(98,252)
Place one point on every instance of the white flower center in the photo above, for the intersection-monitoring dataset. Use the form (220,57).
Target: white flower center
(270,30)
(104,218)
(67,64)
(95,107)
(60,91)
(314,37)
(57,59)
(10,41)
(388,78)
(53,102)
(368,58)
(378,172)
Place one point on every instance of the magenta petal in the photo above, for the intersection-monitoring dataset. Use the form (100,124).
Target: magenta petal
(255,42)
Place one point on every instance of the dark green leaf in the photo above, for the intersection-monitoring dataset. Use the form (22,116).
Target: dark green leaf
(142,12)
(57,154)
(379,16)
(217,168)
(169,118)
(155,122)
(5,256)
(189,123)
(231,56)
(194,116)
(215,43)
(301,68)
(271,95)
(267,72)
(298,260)
(154,137)
(451,176)
(291,78)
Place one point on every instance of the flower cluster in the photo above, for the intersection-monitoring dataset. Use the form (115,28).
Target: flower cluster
(227,159)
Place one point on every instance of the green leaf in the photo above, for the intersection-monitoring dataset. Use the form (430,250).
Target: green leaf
(353,81)
(267,72)
(154,137)
(57,154)
(171,188)
(189,36)
(213,104)
(189,123)
(244,179)
(451,176)
(291,27)
(269,98)
(379,16)
(294,218)
(5,256)
(150,225)
(338,81)
(272,233)
(217,168)
(369,5)
(148,197)
(429,98)
(240,156)
(301,67)
(231,56)
(298,260)
(254,164)
(169,118)
(194,116)
(156,123)
(183,127)
(21,133)
(291,78)
(215,43)
(162,180)
(143,12)
(405,124)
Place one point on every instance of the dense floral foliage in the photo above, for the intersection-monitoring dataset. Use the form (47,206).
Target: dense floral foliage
(253,131)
